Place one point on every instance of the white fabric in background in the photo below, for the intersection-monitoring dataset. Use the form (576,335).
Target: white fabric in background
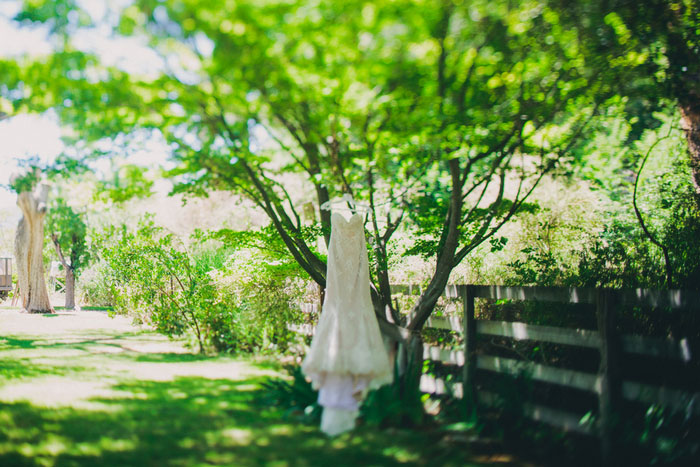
(337,421)
(342,391)
(347,355)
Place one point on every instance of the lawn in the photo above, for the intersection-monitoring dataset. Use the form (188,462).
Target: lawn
(86,389)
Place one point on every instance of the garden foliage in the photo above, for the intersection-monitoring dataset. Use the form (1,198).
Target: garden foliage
(225,299)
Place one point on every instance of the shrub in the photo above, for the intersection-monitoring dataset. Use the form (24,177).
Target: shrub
(265,297)
(95,285)
(225,296)
(265,288)
(156,278)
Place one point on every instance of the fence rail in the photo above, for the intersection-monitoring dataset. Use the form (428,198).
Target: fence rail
(680,349)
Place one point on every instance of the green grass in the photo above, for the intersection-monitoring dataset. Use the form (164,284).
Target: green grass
(87,393)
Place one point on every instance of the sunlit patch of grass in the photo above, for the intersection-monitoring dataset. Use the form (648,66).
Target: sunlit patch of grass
(111,444)
(55,391)
(401,454)
(282,430)
(238,435)
(64,400)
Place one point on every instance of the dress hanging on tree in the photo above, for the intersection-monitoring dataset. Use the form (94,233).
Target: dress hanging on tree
(347,355)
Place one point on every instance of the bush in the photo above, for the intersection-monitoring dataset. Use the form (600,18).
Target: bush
(226,297)
(265,288)
(265,297)
(95,285)
(157,279)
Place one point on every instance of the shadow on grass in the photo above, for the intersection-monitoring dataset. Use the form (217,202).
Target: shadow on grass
(79,341)
(194,421)
(188,420)
(8,342)
(23,368)
(64,357)
(14,368)
(170,357)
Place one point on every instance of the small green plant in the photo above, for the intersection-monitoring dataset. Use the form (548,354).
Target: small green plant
(295,396)
(225,297)
(395,405)
(513,394)
(668,438)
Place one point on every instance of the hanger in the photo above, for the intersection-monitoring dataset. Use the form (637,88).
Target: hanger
(350,204)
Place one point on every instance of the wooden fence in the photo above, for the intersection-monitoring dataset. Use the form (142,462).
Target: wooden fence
(5,274)
(607,384)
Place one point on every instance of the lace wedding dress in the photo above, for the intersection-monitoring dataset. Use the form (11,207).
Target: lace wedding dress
(347,355)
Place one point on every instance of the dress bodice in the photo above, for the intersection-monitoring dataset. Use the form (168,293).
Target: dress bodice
(341,223)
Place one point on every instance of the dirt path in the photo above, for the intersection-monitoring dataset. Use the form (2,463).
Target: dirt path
(86,389)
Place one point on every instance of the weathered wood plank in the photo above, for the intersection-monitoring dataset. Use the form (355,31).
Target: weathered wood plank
(538,372)
(542,294)
(609,374)
(682,349)
(679,401)
(451,291)
(676,299)
(469,355)
(455,357)
(566,421)
(451,323)
(522,331)
(432,385)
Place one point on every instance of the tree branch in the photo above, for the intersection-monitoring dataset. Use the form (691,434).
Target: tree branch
(642,224)
(426,302)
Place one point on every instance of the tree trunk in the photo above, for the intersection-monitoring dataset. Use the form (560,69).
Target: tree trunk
(29,246)
(70,289)
(70,274)
(410,363)
(690,117)
(445,262)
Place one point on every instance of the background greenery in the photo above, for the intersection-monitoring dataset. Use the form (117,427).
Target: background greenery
(497,142)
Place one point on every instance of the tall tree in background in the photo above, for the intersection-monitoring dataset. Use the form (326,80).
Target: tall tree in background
(652,48)
(29,241)
(67,231)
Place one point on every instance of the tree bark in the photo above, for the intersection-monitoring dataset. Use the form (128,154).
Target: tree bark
(445,262)
(70,289)
(684,75)
(29,246)
(70,274)
(690,118)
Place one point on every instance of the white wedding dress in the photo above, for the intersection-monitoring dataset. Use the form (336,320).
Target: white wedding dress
(347,355)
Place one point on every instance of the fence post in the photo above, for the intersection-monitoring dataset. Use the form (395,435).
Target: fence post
(468,380)
(609,374)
